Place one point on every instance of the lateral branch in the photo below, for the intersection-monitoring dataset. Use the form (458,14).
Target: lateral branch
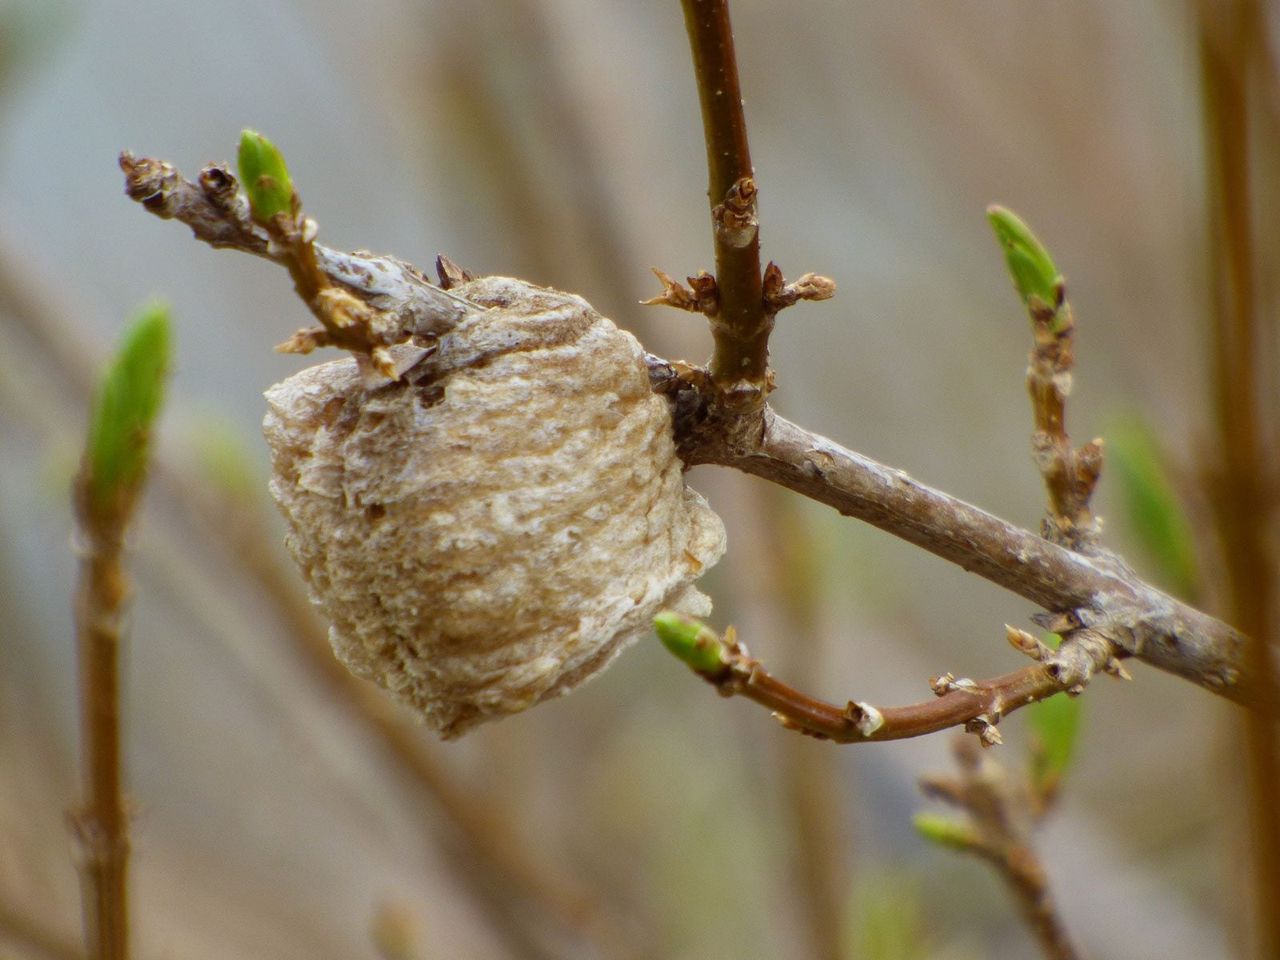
(978,706)
(1097,592)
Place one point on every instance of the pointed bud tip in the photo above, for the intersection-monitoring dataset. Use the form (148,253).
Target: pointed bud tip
(128,399)
(264,176)
(1030,266)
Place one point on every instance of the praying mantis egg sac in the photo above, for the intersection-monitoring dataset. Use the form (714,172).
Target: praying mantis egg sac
(493,528)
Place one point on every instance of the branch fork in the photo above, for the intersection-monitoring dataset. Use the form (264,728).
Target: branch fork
(381,308)
(1001,813)
(1102,609)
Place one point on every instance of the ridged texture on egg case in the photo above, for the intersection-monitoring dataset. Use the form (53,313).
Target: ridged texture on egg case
(491,530)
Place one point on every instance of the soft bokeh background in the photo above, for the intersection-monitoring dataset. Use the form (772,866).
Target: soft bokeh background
(559,141)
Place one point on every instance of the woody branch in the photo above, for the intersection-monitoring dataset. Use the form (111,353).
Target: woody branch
(1090,595)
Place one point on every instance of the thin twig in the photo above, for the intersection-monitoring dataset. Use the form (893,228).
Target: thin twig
(977,705)
(741,325)
(1069,474)
(401,302)
(814,793)
(1001,816)
(101,826)
(1098,592)
(1244,490)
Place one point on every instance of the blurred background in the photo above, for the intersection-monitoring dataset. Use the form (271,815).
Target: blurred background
(282,813)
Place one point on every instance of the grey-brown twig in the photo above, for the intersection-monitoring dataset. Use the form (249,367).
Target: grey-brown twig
(1001,815)
(395,299)
(1098,592)
(1095,594)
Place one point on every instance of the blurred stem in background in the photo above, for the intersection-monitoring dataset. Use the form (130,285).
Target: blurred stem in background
(814,795)
(1242,484)
(1001,810)
(106,490)
(30,934)
(524,895)
(503,103)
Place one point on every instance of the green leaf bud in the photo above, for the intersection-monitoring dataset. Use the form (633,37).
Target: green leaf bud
(128,399)
(1030,266)
(264,176)
(693,642)
(944,831)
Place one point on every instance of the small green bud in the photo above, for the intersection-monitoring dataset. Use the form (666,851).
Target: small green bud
(693,642)
(127,401)
(944,831)
(1030,265)
(264,176)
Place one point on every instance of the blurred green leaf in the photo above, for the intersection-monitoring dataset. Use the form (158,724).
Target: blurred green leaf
(126,404)
(1030,266)
(887,919)
(943,830)
(1147,496)
(1055,727)
(226,460)
(264,176)
(693,642)
(30,33)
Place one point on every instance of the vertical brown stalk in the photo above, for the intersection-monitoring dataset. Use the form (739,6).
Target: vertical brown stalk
(741,326)
(1230,33)
(101,825)
(812,789)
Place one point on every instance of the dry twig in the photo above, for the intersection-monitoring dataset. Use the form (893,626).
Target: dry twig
(1069,474)
(1001,816)
(1096,595)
